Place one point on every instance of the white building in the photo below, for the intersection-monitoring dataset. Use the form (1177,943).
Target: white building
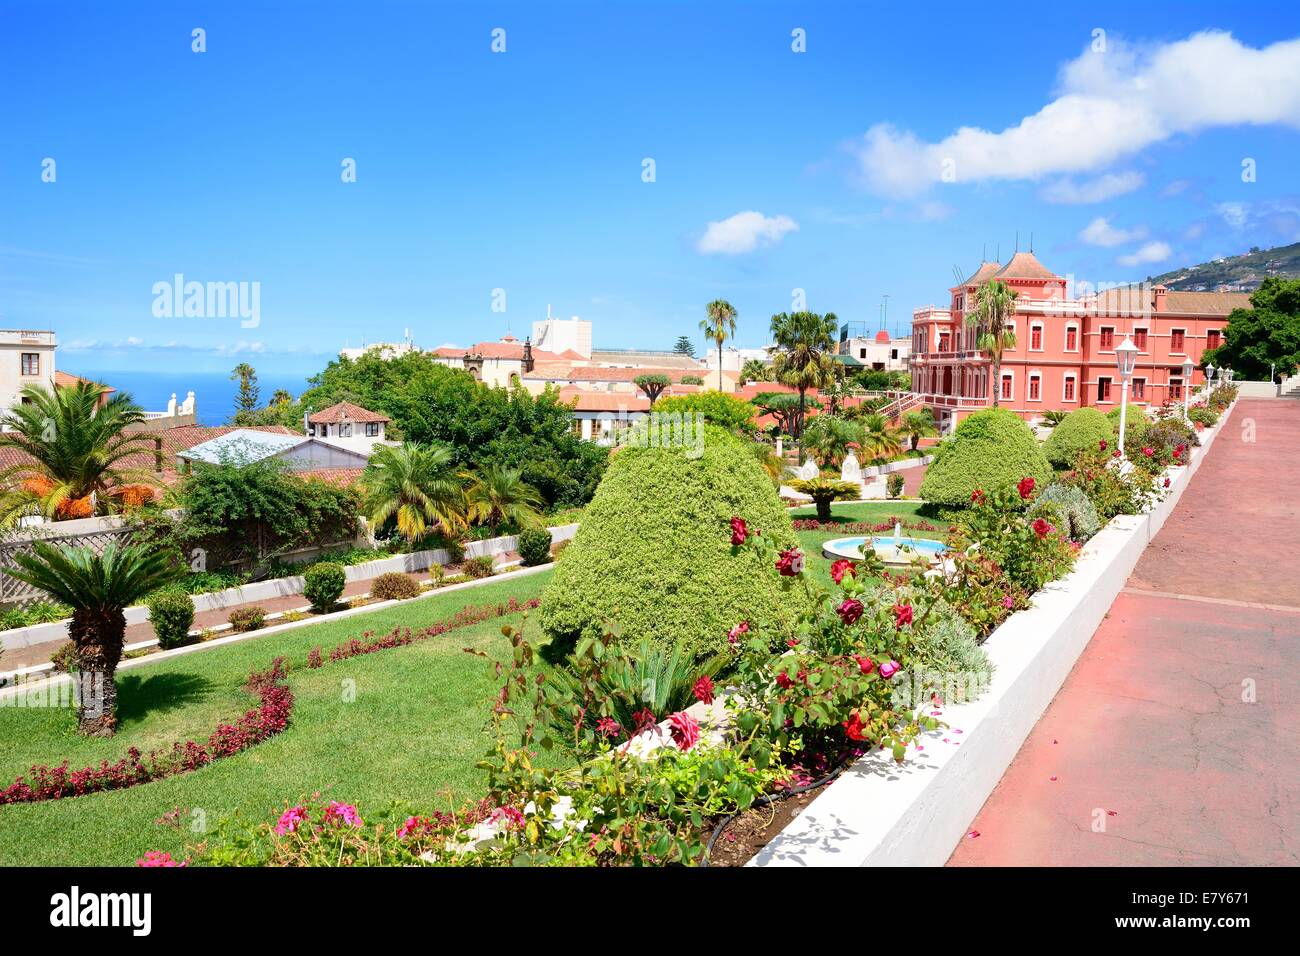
(349,427)
(880,352)
(562,335)
(26,358)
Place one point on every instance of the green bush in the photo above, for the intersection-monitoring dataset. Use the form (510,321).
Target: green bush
(653,555)
(247,618)
(534,546)
(481,567)
(991,450)
(1135,425)
(171,612)
(1203,415)
(394,586)
(948,659)
(717,408)
(1084,428)
(65,659)
(323,585)
(1073,509)
(1163,437)
(894,484)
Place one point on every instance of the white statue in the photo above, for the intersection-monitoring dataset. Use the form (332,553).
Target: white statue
(851,471)
(188,407)
(171,406)
(808,470)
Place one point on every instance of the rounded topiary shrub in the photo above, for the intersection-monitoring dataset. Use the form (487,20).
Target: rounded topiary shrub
(535,546)
(1135,424)
(394,586)
(1072,508)
(1084,429)
(323,585)
(991,450)
(247,618)
(171,612)
(653,558)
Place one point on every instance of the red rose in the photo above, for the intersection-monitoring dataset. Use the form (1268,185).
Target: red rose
(735,633)
(1178,452)
(645,719)
(608,727)
(703,689)
(853,727)
(684,729)
(1042,528)
(790,563)
(865,664)
(977,496)
(1026,487)
(840,568)
(738,531)
(783,681)
(902,614)
(1166,482)
(1102,445)
(849,611)
(1148,452)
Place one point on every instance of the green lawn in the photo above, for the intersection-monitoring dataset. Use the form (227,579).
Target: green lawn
(414,731)
(848,512)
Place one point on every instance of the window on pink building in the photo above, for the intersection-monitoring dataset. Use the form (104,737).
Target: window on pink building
(1212,339)
(1139,390)
(1103,390)
(1107,338)
(1006,386)
(1035,387)
(1069,388)
(1140,338)
(1176,389)
(1176,337)
(1036,337)
(943,341)
(1072,339)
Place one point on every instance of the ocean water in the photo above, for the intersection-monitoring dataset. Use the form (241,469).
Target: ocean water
(214,392)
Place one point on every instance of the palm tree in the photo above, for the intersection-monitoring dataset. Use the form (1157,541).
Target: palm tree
(75,447)
(719,326)
(827,438)
(825,490)
(97,588)
(416,484)
(919,424)
(755,370)
(499,494)
(771,463)
(805,343)
(995,303)
(879,441)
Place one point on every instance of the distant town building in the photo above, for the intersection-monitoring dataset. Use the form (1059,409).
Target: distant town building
(562,335)
(878,351)
(26,358)
(348,426)
(1064,357)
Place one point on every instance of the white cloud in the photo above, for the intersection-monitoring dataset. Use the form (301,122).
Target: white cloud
(1100,232)
(1151,252)
(1100,189)
(744,232)
(1233,213)
(1110,106)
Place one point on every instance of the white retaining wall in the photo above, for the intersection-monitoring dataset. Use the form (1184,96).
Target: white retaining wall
(285,587)
(879,813)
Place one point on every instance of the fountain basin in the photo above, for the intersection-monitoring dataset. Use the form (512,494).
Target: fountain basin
(898,551)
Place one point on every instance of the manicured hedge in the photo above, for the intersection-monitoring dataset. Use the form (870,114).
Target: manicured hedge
(653,554)
(991,450)
(1081,430)
(1135,424)
(171,612)
(323,585)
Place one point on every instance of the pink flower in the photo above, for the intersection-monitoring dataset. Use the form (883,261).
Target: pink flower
(413,825)
(1115,453)
(608,727)
(849,611)
(790,564)
(889,669)
(739,532)
(1008,602)
(703,689)
(154,858)
(685,730)
(1101,445)
(290,819)
(510,817)
(1148,452)
(345,812)
(902,615)
(977,497)
(1025,487)
(645,719)
(1042,528)
(840,568)
(865,664)
(737,632)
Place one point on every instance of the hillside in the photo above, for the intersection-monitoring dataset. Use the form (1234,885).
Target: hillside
(1241,273)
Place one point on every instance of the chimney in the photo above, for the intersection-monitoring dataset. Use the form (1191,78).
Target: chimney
(528,355)
(1158,297)
(157,454)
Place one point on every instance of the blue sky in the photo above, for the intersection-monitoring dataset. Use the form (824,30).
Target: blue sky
(522,170)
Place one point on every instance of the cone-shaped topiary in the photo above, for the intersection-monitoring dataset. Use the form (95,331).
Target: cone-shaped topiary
(991,450)
(652,557)
(1084,429)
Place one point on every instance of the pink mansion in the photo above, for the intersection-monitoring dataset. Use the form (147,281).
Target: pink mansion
(1064,355)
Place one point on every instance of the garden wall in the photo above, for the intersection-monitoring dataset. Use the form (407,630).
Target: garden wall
(879,813)
(283,587)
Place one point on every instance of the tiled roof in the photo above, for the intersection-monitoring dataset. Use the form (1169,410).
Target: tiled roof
(67,379)
(1024,265)
(340,411)
(986,271)
(604,401)
(343,477)
(504,350)
(565,372)
(1128,300)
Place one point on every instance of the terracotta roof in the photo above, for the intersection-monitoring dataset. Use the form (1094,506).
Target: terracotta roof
(343,477)
(1025,265)
(986,271)
(504,350)
(345,410)
(1127,300)
(584,401)
(67,379)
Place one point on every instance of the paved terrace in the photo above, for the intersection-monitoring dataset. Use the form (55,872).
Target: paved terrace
(1150,736)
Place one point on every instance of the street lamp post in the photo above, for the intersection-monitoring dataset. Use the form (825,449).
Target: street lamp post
(1188,368)
(1209,377)
(1125,356)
